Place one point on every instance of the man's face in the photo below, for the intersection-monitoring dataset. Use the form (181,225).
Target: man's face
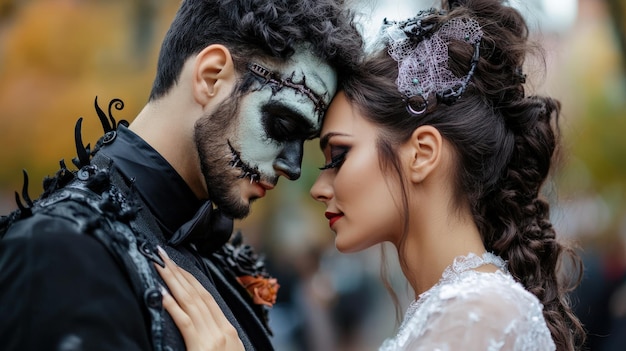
(248,142)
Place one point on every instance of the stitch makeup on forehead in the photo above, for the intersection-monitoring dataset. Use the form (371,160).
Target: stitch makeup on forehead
(283,108)
(278,83)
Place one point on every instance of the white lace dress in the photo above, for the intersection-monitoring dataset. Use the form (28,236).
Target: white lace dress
(470,310)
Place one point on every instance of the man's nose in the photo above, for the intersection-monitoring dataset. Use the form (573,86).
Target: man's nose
(289,161)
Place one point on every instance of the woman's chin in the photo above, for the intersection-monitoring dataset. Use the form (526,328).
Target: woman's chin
(349,247)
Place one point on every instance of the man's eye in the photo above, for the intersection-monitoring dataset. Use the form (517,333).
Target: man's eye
(337,156)
(280,129)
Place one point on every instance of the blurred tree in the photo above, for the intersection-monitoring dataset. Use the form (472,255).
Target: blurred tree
(617,10)
(144,13)
(595,117)
(7,7)
(53,66)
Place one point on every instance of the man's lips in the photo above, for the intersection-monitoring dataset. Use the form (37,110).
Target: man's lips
(266,186)
(263,187)
(332,217)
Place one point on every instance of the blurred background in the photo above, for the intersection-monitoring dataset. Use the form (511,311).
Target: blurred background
(56,56)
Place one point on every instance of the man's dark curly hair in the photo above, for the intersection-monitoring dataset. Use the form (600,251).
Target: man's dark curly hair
(258,28)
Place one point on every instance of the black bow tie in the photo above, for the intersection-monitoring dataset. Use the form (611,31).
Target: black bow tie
(208,230)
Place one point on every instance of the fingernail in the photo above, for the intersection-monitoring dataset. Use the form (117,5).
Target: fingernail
(162,252)
(164,291)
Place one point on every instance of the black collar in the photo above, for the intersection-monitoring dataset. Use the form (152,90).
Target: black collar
(163,190)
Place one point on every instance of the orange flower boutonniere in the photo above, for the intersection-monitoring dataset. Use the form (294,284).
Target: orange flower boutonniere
(247,274)
(262,290)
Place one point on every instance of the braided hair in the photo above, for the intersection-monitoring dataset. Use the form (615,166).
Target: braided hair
(504,143)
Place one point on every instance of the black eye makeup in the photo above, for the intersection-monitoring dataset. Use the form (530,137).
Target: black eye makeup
(337,156)
(284,124)
(279,128)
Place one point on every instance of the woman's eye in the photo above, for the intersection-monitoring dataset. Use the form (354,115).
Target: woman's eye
(337,156)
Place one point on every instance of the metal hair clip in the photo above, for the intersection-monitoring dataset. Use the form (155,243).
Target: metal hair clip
(421,111)
(421,51)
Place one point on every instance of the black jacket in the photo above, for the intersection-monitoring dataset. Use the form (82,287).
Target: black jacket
(76,265)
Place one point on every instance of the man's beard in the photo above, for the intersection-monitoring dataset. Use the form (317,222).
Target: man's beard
(210,135)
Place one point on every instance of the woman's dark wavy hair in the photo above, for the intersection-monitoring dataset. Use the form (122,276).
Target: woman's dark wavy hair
(504,142)
(258,28)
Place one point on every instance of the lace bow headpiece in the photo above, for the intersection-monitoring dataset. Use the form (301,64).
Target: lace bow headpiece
(421,49)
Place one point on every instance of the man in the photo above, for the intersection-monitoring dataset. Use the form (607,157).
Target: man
(240,85)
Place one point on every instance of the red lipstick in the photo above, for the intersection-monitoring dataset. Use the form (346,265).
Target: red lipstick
(332,217)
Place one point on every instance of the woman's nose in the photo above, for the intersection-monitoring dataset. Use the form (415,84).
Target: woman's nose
(322,190)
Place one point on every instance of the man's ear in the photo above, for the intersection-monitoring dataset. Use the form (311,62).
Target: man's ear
(213,70)
(424,149)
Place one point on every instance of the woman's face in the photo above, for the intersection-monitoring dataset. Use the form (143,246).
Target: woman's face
(363,202)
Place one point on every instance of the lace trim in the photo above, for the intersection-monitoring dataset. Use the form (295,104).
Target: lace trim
(460,264)
(471,261)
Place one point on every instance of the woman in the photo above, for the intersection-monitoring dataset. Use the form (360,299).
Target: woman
(462,154)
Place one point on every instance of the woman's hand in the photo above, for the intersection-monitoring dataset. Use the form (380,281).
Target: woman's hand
(196,314)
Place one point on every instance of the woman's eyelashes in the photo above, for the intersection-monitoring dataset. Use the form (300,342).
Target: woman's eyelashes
(337,156)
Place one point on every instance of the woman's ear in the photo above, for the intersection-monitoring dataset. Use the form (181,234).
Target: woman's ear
(213,71)
(424,150)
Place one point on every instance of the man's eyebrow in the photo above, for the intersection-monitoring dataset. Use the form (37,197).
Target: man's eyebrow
(326,137)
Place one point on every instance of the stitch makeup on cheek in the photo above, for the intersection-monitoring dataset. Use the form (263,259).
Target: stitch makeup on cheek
(246,170)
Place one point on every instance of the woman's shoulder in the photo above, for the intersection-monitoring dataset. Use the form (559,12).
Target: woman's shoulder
(493,287)
(476,311)
(487,310)
(493,298)
(462,282)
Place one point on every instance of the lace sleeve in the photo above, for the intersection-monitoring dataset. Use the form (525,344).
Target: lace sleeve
(473,317)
